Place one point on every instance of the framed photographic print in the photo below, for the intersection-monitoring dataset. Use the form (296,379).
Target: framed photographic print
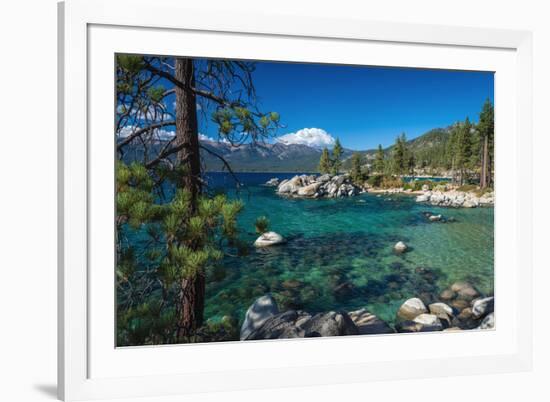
(263,201)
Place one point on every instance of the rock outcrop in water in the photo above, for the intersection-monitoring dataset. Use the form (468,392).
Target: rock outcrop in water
(400,247)
(311,186)
(269,239)
(460,307)
(274,182)
(456,199)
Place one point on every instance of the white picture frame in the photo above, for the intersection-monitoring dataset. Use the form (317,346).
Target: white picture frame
(89,365)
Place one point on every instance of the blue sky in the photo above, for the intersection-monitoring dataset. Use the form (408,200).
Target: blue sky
(362,106)
(367,106)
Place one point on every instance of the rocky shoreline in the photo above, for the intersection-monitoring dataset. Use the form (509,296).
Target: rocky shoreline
(456,199)
(459,307)
(340,186)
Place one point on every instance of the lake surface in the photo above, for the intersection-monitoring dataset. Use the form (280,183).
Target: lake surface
(339,252)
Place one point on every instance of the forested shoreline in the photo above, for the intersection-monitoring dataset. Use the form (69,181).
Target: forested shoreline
(464,152)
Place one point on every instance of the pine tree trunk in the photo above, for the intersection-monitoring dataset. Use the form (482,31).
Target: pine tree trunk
(483,182)
(187,128)
(191,297)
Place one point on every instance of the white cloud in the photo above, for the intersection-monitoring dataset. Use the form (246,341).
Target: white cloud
(158,134)
(203,137)
(126,131)
(313,137)
(163,135)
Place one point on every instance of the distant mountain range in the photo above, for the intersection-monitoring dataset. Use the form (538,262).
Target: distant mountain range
(276,157)
(292,158)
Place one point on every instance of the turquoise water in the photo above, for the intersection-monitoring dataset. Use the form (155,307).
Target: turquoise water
(339,252)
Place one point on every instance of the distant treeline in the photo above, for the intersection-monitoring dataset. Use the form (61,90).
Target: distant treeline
(464,150)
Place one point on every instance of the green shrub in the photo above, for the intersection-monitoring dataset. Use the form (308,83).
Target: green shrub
(418,184)
(261,224)
(385,181)
(481,192)
(391,182)
(467,188)
(375,180)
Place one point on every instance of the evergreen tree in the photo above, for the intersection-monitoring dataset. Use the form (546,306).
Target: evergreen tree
(411,163)
(336,155)
(399,155)
(145,86)
(356,171)
(325,165)
(379,163)
(149,288)
(461,143)
(486,132)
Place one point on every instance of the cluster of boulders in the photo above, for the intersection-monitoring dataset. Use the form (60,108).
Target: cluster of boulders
(460,307)
(457,199)
(311,186)
(264,321)
(431,217)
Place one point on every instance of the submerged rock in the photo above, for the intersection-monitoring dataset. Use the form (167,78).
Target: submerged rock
(292,284)
(447,294)
(460,304)
(343,290)
(269,239)
(465,291)
(263,308)
(400,247)
(272,182)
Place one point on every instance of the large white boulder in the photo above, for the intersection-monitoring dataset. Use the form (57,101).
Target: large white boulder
(440,308)
(368,323)
(290,186)
(411,309)
(427,319)
(471,203)
(482,307)
(465,290)
(269,239)
(423,198)
(309,190)
(258,313)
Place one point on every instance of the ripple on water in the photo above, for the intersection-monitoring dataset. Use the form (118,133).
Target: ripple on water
(339,254)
